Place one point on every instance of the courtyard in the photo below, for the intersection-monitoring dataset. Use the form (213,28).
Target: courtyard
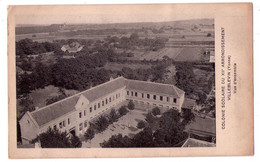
(126,125)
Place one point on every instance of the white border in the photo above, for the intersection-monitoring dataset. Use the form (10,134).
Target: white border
(3,72)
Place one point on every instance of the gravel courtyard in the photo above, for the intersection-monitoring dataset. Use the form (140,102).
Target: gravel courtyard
(126,125)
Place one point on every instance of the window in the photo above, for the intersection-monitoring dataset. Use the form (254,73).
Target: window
(161,98)
(116,96)
(90,109)
(154,97)
(103,103)
(106,100)
(60,124)
(135,94)
(85,124)
(109,99)
(98,105)
(68,121)
(54,127)
(142,95)
(148,95)
(168,99)
(127,93)
(174,100)
(80,126)
(80,115)
(63,123)
(84,112)
(132,93)
(95,107)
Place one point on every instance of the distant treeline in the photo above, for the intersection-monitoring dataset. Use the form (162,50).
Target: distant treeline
(37,29)
(29,47)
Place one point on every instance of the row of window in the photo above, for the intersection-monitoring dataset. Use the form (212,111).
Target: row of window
(148,96)
(104,102)
(81,125)
(62,124)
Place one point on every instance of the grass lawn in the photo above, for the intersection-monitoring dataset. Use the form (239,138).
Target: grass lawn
(39,96)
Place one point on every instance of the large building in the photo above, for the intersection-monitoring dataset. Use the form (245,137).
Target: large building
(74,113)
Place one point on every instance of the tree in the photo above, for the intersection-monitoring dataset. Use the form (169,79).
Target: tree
(112,116)
(122,110)
(56,139)
(156,111)
(117,141)
(131,105)
(89,134)
(101,123)
(149,118)
(26,104)
(188,116)
(141,124)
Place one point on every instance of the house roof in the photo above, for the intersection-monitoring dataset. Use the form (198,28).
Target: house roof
(191,142)
(188,103)
(154,87)
(67,105)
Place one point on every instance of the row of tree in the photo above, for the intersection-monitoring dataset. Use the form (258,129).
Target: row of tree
(164,131)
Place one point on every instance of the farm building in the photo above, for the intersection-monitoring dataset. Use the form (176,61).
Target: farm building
(74,113)
(72,47)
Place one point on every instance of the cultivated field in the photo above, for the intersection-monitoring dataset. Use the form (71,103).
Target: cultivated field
(118,67)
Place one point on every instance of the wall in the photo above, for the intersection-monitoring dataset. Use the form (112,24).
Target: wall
(28,129)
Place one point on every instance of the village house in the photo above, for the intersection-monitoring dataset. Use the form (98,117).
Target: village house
(74,113)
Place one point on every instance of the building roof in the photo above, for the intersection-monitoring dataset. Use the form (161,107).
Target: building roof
(54,111)
(188,103)
(202,126)
(104,89)
(154,87)
(62,107)
(191,142)
(67,105)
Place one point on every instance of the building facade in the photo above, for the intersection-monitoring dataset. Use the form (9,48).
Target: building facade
(74,113)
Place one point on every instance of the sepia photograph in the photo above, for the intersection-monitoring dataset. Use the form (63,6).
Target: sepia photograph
(150,80)
(115,84)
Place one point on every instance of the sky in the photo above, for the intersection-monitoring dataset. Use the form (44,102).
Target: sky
(102,14)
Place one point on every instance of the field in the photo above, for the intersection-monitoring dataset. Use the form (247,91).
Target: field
(189,54)
(118,67)
(39,96)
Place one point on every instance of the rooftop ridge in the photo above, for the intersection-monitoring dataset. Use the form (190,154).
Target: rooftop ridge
(78,94)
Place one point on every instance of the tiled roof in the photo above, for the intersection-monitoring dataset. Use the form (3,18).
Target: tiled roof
(191,142)
(154,87)
(55,110)
(188,103)
(104,89)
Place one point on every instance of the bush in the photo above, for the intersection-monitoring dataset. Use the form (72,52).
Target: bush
(122,110)
(141,124)
(149,118)
(101,124)
(156,111)
(112,116)
(89,134)
(131,105)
